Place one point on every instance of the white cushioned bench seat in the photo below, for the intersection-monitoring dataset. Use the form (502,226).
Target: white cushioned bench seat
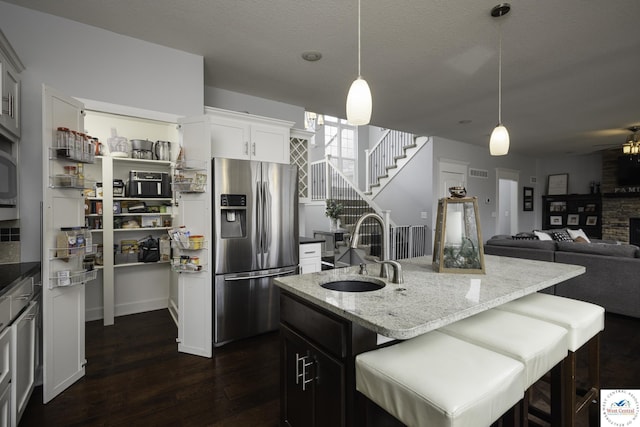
(438,380)
(582,320)
(537,344)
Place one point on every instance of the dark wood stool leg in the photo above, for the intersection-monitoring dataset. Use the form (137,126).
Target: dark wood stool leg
(594,381)
(569,390)
(571,403)
(559,393)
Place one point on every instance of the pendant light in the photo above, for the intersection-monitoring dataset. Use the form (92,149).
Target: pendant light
(499,141)
(359,96)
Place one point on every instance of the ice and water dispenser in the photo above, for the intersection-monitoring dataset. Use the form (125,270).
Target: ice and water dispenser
(233,216)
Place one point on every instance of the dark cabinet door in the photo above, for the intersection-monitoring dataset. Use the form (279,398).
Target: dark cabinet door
(312,382)
(329,387)
(297,403)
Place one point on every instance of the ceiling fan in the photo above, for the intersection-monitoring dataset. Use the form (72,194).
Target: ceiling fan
(612,133)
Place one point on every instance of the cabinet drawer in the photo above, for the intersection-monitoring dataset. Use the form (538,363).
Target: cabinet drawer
(20,296)
(319,327)
(310,250)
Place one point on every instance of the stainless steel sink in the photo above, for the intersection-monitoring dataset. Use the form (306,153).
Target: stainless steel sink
(354,285)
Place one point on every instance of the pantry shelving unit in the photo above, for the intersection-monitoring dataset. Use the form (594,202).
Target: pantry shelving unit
(122,272)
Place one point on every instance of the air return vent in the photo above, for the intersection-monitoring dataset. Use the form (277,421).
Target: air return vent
(478,173)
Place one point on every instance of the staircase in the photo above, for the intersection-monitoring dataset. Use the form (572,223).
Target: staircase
(390,154)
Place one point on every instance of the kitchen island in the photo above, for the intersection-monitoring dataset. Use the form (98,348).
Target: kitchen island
(323,330)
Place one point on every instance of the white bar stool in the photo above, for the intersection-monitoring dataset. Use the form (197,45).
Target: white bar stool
(584,322)
(438,380)
(538,345)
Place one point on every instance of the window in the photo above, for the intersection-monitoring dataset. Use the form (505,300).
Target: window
(340,144)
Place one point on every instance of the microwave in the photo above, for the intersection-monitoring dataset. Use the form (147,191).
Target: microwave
(8,180)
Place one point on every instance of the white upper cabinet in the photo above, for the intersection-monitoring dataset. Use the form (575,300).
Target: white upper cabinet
(10,69)
(244,136)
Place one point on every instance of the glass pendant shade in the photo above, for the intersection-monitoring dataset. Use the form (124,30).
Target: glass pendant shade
(499,142)
(359,103)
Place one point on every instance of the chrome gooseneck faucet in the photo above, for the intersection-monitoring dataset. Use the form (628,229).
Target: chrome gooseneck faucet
(397,268)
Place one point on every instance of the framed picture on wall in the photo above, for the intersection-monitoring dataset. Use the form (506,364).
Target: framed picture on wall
(572,219)
(555,220)
(527,199)
(592,220)
(558,184)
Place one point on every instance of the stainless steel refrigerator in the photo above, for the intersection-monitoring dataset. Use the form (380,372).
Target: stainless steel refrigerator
(255,239)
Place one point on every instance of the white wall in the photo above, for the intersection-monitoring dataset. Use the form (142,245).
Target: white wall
(581,169)
(91,63)
(410,192)
(486,189)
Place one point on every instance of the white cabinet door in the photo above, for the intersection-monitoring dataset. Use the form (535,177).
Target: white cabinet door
(5,358)
(11,100)
(230,139)
(5,406)
(310,257)
(23,343)
(10,69)
(63,308)
(269,143)
(248,137)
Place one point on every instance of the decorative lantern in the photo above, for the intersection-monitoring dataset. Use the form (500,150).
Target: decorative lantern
(458,240)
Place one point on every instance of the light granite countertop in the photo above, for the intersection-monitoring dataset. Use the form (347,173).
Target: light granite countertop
(427,300)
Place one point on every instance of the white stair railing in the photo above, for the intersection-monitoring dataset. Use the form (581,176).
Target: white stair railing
(390,147)
(328,182)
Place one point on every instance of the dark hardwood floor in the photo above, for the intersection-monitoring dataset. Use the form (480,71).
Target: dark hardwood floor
(136,377)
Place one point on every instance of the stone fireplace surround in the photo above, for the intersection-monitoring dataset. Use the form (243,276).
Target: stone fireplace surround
(617,210)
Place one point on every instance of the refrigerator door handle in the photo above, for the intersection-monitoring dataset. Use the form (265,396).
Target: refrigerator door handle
(266,200)
(259,217)
(233,278)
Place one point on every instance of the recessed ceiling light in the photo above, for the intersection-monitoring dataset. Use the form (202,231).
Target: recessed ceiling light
(311,56)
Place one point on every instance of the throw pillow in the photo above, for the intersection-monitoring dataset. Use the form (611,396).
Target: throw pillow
(580,239)
(525,236)
(578,233)
(542,235)
(561,236)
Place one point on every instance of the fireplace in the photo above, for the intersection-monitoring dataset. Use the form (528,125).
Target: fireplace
(634,231)
(620,211)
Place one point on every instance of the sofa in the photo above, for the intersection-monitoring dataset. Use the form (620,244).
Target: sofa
(612,277)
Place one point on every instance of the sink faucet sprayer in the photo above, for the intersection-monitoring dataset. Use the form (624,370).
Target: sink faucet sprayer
(397,268)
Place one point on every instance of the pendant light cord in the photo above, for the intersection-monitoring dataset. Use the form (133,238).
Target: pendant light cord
(500,74)
(359,48)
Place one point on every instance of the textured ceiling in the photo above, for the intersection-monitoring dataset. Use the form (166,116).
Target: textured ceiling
(570,68)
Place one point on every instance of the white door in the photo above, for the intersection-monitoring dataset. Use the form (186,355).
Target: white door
(63,308)
(507,202)
(452,174)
